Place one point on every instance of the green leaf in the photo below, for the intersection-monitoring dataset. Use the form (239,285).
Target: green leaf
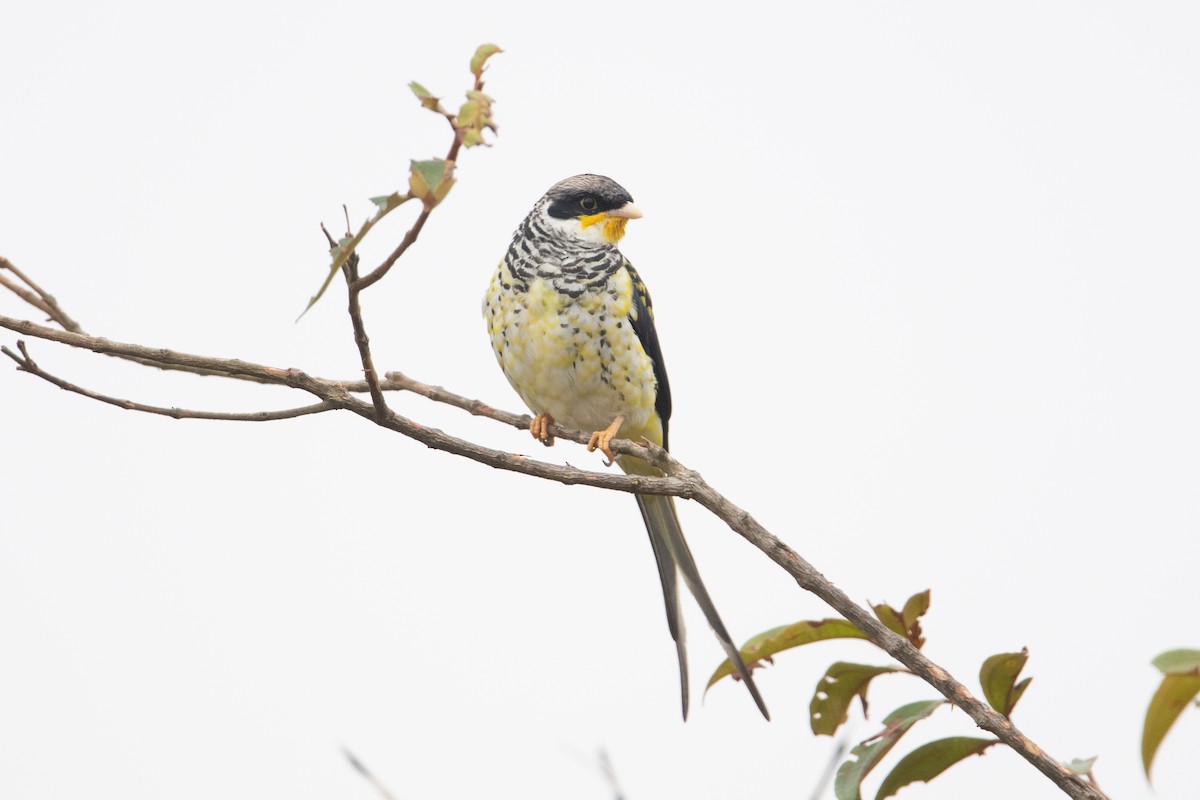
(431,180)
(423,176)
(482,54)
(915,607)
(474,117)
(847,785)
(765,645)
(930,760)
(1174,693)
(426,97)
(906,623)
(1081,766)
(841,683)
(891,618)
(997,677)
(1178,662)
(342,250)
(1017,692)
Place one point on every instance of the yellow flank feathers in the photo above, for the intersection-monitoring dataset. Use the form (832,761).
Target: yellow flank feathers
(577,359)
(623,303)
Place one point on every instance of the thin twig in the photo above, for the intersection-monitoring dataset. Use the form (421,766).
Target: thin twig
(831,766)
(405,243)
(45,302)
(398,381)
(361,340)
(680,482)
(361,768)
(356,285)
(610,773)
(48,304)
(602,764)
(25,363)
(28,296)
(337,394)
(429,203)
(364,348)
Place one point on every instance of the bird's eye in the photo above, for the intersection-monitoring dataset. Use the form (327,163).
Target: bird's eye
(588,204)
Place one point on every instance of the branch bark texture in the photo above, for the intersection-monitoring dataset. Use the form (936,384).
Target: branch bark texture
(679,482)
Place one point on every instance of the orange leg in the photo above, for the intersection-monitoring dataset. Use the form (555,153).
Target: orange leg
(601,439)
(539,426)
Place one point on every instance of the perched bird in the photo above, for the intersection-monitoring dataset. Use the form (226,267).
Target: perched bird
(573,329)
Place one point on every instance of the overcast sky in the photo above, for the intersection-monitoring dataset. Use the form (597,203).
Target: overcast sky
(926,282)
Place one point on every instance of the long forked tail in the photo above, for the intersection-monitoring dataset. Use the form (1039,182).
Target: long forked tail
(675,559)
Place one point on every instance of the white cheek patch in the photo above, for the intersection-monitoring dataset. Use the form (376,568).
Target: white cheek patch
(593,234)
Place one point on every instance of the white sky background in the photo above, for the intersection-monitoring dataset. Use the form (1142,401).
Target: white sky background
(926,280)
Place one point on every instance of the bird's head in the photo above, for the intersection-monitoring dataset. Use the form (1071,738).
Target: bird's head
(590,208)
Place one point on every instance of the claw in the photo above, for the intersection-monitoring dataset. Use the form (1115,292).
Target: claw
(539,426)
(602,439)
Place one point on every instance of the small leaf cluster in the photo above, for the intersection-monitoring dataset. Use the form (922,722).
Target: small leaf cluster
(475,115)
(429,180)
(843,682)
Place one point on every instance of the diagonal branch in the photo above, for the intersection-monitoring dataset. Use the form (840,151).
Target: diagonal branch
(680,482)
(809,579)
(361,769)
(339,396)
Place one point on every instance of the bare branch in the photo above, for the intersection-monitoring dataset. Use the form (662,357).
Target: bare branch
(26,295)
(680,482)
(338,396)
(350,269)
(157,357)
(25,363)
(809,579)
(405,243)
(44,301)
(398,381)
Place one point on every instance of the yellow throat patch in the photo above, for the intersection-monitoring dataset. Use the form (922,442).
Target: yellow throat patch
(614,227)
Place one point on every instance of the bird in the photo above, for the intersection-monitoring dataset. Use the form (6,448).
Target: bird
(572,326)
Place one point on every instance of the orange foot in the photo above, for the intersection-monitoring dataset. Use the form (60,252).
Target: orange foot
(539,426)
(601,439)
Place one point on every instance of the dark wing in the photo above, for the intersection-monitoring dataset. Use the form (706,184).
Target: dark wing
(643,326)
